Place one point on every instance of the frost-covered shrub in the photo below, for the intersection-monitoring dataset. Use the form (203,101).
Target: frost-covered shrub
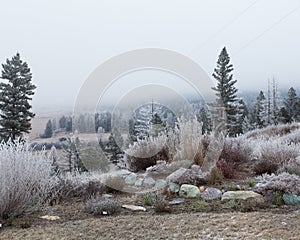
(285,182)
(271,131)
(278,152)
(292,167)
(98,206)
(26,179)
(145,153)
(78,185)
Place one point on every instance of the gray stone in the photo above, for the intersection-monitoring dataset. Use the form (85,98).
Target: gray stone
(174,187)
(177,201)
(160,183)
(149,182)
(139,182)
(291,199)
(211,194)
(192,176)
(249,197)
(189,191)
(131,179)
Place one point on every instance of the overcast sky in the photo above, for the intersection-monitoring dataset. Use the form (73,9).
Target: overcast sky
(64,41)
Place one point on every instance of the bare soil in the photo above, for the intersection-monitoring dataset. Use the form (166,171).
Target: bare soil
(193,219)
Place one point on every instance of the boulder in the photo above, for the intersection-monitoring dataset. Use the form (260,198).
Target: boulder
(211,194)
(249,197)
(291,199)
(192,176)
(160,183)
(174,187)
(148,182)
(139,182)
(131,179)
(189,191)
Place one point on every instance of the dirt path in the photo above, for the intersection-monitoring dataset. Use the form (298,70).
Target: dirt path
(254,225)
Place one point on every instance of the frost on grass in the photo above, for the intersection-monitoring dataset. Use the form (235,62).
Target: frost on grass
(26,179)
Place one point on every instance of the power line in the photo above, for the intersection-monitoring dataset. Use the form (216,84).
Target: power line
(225,26)
(267,30)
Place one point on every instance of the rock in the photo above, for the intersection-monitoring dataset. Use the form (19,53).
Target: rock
(202,188)
(50,218)
(139,182)
(177,201)
(134,208)
(189,191)
(192,176)
(211,194)
(162,169)
(291,199)
(175,176)
(160,183)
(131,179)
(249,197)
(149,182)
(174,188)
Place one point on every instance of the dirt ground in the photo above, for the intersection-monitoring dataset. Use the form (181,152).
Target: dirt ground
(254,225)
(193,219)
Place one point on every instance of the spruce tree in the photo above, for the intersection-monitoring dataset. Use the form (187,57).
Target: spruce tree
(15,94)
(290,104)
(260,114)
(205,120)
(48,130)
(226,91)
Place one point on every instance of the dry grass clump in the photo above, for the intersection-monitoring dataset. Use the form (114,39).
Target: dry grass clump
(98,206)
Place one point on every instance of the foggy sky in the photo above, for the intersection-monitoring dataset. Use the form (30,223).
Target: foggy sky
(64,41)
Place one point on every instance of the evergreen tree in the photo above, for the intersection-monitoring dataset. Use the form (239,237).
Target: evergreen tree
(241,117)
(226,91)
(290,104)
(205,120)
(48,130)
(259,114)
(156,125)
(15,114)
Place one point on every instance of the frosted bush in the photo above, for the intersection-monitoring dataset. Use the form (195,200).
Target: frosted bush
(285,182)
(26,179)
(278,152)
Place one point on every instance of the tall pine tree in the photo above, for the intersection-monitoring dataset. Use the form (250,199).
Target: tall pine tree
(15,94)
(226,91)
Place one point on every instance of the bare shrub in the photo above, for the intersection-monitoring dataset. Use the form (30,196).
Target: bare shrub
(26,179)
(285,182)
(227,168)
(265,166)
(233,154)
(98,206)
